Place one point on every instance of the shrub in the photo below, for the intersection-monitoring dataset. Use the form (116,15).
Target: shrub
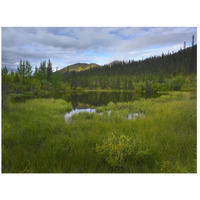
(5,126)
(177,83)
(83,116)
(142,155)
(99,109)
(115,150)
(111,106)
(172,167)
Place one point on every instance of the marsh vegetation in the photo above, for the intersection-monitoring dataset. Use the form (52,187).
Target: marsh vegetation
(142,117)
(36,137)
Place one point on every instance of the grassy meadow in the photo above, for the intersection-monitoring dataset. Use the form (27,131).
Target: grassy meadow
(163,139)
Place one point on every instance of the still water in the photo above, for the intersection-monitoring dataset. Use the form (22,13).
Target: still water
(94,99)
(90,99)
(87,101)
(68,115)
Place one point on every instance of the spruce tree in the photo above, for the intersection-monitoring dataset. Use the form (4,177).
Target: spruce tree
(49,70)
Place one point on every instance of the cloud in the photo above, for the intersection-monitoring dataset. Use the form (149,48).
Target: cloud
(68,45)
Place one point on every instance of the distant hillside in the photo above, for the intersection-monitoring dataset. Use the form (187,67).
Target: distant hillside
(168,71)
(182,62)
(114,62)
(79,67)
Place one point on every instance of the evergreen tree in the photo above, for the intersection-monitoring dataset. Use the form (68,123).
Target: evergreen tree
(5,87)
(42,72)
(28,69)
(149,90)
(21,68)
(130,84)
(4,72)
(73,79)
(184,45)
(49,70)
(35,74)
(193,40)
(24,69)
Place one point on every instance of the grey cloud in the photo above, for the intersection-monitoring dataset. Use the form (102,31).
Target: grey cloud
(73,44)
(157,40)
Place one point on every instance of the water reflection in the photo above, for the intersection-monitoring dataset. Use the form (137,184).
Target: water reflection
(80,99)
(135,115)
(68,115)
(93,99)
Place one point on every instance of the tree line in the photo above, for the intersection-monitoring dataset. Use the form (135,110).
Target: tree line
(171,71)
(124,75)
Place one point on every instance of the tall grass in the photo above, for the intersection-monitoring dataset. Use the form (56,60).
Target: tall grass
(35,137)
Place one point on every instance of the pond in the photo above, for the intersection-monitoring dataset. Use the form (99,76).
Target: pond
(68,115)
(90,99)
(94,99)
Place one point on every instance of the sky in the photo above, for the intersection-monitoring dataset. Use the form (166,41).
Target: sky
(68,45)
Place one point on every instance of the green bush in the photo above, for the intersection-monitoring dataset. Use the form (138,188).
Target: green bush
(115,150)
(111,106)
(142,155)
(83,116)
(99,109)
(177,83)
(172,167)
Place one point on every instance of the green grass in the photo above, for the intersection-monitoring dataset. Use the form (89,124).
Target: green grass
(35,137)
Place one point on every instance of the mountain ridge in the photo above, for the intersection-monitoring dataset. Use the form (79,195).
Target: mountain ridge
(78,67)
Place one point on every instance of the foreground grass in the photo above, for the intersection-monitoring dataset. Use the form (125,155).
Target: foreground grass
(35,137)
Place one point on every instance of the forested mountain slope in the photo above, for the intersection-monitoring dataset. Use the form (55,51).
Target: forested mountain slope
(78,67)
(170,72)
(124,75)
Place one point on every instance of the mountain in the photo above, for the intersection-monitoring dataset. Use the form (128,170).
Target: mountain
(161,73)
(78,67)
(114,62)
(176,63)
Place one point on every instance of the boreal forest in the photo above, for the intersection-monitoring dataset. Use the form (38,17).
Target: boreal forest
(135,116)
(168,72)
